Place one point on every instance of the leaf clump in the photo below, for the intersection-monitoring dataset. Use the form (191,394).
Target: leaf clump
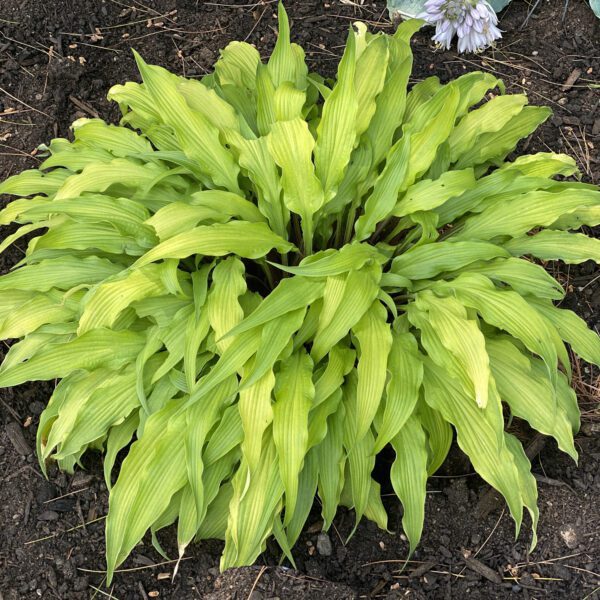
(265,277)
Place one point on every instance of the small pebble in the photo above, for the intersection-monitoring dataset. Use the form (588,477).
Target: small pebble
(324,547)
(569,536)
(48,515)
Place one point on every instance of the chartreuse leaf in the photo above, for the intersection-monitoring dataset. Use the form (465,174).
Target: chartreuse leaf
(11,299)
(119,141)
(252,509)
(62,411)
(527,483)
(217,490)
(118,437)
(429,260)
(290,294)
(227,203)
(105,302)
(543,164)
(430,126)
(477,435)
(206,101)
(529,395)
(249,240)
(491,117)
(439,435)
(333,262)
(521,275)
(22,231)
(307,487)
(505,310)
(361,460)
(420,94)
(230,362)
(214,525)
(587,215)
(370,74)
(99,177)
(284,65)
(200,419)
(317,418)
(566,398)
(224,310)
(205,206)
(45,337)
(71,235)
(32,182)
(374,341)
(294,395)
(494,146)
(274,343)
(331,459)
(199,139)
(265,100)
(428,194)
(127,215)
(405,370)
(256,412)
(177,217)
(291,146)
(159,455)
(173,338)
(41,309)
(409,476)
(63,273)
(556,245)
(237,65)
(391,102)
(13,211)
(517,216)
(385,191)
(354,296)
(461,337)
(110,404)
(101,347)
(485,190)
(337,130)
(571,328)
(340,363)
(256,160)
(198,325)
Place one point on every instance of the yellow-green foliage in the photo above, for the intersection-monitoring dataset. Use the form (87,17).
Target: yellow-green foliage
(266,277)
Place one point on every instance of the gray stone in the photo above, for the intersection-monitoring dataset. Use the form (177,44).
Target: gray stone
(324,547)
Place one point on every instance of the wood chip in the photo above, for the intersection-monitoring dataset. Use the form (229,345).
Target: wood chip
(17,439)
(83,106)
(571,79)
(483,570)
(422,569)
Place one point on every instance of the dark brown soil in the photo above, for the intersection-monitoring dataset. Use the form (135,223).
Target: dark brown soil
(58,59)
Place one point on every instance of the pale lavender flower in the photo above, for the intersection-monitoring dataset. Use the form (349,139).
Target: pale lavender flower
(473,21)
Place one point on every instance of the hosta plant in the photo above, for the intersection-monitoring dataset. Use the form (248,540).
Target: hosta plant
(260,280)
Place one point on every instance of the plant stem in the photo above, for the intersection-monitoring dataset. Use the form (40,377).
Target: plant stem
(269,274)
(350,224)
(307,235)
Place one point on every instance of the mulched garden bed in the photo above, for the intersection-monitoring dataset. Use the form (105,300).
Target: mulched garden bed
(57,60)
